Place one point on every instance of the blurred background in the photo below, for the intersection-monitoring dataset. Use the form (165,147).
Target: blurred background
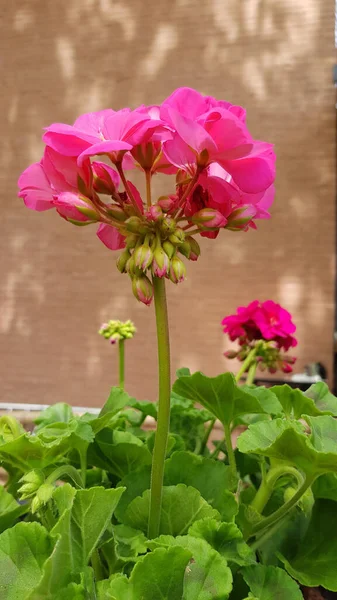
(58,282)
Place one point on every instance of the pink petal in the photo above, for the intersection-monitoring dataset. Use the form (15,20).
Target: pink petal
(66,205)
(178,153)
(92,122)
(110,237)
(252,174)
(103,148)
(136,196)
(192,133)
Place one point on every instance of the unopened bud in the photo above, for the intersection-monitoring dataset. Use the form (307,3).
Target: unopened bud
(168,225)
(135,225)
(177,270)
(209,217)
(43,496)
(195,248)
(130,265)
(286,367)
(131,241)
(89,212)
(230,354)
(143,256)
(239,218)
(161,262)
(185,249)
(169,248)
(106,180)
(122,261)
(154,213)
(178,236)
(116,212)
(167,203)
(142,289)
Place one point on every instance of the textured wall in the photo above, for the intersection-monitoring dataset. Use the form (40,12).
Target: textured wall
(59,282)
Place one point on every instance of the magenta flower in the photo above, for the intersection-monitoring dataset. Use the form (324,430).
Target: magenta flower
(266,327)
(223,180)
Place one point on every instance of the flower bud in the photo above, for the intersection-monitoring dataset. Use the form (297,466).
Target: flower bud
(195,248)
(116,212)
(185,249)
(143,256)
(209,217)
(43,496)
(161,262)
(122,261)
(168,225)
(106,180)
(167,203)
(142,289)
(178,236)
(177,270)
(169,248)
(135,225)
(130,266)
(230,354)
(286,367)
(240,218)
(131,241)
(154,213)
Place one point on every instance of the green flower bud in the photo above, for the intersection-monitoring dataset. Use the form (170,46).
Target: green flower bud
(143,256)
(178,237)
(169,248)
(185,249)
(168,225)
(142,289)
(177,270)
(131,241)
(161,262)
(195,248)
(116,212)
(122,261)
(136,225)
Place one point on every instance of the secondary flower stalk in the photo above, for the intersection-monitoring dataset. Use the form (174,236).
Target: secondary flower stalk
(118,332)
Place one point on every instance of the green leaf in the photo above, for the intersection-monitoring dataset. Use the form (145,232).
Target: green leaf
(57,413)
(220,395)
(118,452)
(208,577)
(29,452)
(181,506)
(294,402)
(211,478)
(325,486)
(315,560)
(285,440)
(322,397)
(266,396)
(271,583)
(129,542)
(135,484)
(84,515)
(23,551)
(117,587)
(10,510)
(225,538)
(189,423)
(183,372)
(160,575)
(117,400)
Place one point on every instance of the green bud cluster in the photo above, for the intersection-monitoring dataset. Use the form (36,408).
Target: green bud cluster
(151,249)
(114,331)
(36,488)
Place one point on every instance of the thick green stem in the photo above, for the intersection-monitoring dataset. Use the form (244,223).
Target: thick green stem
(65,470)
(163,420)
(251,373)
(205,439)
(229,448)
(268,482)
(283,510)
(246,364)
(121,350)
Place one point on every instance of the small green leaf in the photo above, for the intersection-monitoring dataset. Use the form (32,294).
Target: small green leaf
(181,506)
(220,395)
(183,372)
(57,413)
(286,440)
(212,479)
(315,560)
(322,397)
(225,538)
(135,484)
(24,550)
(117,400)
(129,542)
(325,487)
(118,452)
(271,583)
(10,510)
(294,402)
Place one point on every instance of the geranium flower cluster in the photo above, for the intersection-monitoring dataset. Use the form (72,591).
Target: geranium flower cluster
(265,328)
(114,331)
(223,180)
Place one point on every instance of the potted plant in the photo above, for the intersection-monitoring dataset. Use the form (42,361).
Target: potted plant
(97,506)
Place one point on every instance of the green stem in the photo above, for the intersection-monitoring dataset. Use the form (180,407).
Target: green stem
(97,566)
(268,482)
(205,439)
(245,365)
(251,373)
(148,176)
(163,420)
(65,470)
(83,463)
(218,449)
(283,510)
(121,350)
(229,447)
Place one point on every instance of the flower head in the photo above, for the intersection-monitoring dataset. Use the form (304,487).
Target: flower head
(114,331)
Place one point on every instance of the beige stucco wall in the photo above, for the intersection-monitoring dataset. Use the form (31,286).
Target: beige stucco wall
(59,282)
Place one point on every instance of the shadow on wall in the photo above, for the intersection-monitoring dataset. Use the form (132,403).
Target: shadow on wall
(58,283)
